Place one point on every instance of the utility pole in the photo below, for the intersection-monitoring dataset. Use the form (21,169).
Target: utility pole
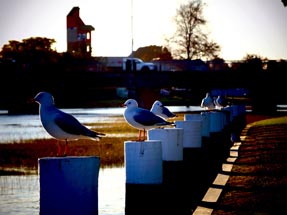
(132,27)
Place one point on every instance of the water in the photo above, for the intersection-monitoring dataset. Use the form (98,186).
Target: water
(20,194)
(112,191)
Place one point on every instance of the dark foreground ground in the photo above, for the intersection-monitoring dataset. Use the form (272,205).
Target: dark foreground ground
(258,179)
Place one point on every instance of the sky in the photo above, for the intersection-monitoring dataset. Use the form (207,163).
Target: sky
(240,27)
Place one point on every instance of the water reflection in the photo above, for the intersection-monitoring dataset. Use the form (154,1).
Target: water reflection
(20,194)
(112,191)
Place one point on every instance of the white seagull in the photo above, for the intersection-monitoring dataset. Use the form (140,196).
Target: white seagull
(142,119)
(220,101)
(207,102)
(159,109)
(61,125)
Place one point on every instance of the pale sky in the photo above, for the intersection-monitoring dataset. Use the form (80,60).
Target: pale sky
(240,27)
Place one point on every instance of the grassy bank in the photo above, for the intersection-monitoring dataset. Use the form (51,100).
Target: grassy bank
(258,181)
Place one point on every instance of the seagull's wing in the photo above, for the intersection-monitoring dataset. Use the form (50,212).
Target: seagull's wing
(203,103)
(167,112)
(147,118)
(71,125)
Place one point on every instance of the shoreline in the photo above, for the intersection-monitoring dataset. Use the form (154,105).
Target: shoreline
(22,158)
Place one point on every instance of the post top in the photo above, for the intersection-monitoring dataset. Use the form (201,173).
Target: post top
(69,158)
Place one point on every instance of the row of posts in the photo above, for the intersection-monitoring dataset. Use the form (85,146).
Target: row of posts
(168,173)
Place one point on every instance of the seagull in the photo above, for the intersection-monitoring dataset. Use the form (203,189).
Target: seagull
(221,101)
(207,102)
(160,110)
(142,119)
(61,125)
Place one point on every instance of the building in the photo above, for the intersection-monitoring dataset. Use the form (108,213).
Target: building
(181,65)
(79,37)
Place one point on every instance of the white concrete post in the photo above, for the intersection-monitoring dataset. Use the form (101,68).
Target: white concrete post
(143,161)
(69,185)
(192,137)
(195,116)
(171,140)
(204,117)
(216,122)
(205,124)
(231,116)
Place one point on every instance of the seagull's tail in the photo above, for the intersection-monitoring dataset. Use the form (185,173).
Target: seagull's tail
(172,123)
(165,123)
(96,135)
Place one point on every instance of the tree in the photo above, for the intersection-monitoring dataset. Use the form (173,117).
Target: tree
(255,62)
(190,40)
(149,53)
(30,50)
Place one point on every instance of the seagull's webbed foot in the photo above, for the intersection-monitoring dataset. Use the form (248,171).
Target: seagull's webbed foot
(140,136)
(59,149)
(60,152)
(66,149)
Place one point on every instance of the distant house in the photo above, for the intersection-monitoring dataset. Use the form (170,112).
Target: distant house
(79,36)
(181,65)
(217,64)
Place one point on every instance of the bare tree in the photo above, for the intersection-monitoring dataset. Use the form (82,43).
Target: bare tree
(189,39)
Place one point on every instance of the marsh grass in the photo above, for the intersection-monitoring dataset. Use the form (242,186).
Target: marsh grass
(22,156)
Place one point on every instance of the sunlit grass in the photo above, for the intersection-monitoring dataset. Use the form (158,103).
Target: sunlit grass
(272,121)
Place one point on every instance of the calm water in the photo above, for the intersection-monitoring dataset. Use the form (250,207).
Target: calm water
(20,194)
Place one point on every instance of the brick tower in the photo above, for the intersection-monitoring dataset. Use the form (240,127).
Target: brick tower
(79,35)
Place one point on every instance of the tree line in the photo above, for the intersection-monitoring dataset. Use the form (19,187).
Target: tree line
(23,61)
